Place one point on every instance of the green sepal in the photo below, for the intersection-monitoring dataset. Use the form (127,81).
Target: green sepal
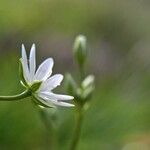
(35,86)
(87,93)
(22,78)
(88,81)
(70,84)
(38,102)
(87,87)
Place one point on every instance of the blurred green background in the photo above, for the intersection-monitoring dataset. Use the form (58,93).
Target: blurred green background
(118,34)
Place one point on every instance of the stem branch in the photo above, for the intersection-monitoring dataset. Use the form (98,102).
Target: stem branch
(82,72)
(16,97)
(77,131)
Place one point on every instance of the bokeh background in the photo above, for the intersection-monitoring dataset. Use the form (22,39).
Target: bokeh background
(118,35)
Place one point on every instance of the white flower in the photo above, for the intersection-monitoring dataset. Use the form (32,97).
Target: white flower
(31,76)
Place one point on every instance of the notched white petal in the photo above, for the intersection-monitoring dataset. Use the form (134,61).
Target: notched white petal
(52,82)
(51,95)
(54,101)
(44,101)
(44,70)
(59,103)
(32,62)
(24,55)
(24,62)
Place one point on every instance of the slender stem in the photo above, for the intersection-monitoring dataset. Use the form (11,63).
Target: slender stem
(77,131)
(50,130)
(79,114)
(81,72)
(16,97)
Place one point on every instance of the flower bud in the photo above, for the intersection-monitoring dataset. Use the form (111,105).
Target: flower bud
(70,84)
(80,50)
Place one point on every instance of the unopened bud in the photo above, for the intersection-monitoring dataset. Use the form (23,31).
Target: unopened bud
(80,50)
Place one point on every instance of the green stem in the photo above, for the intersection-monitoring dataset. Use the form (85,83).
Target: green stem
(50,130)
(81,70)
(16,97)
(77,131)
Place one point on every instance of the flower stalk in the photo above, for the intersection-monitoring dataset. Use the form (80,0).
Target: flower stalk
(50,128)
(20,96)
(77,130)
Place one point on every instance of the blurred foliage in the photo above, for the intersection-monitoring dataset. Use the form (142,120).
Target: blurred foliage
(118,33)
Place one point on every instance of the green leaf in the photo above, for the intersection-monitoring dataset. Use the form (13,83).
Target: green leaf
(22,79)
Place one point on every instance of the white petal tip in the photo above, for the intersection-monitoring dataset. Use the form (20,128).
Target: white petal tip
(23,51)
(65,104)
(71,97)
(51,60)
(60,76)
(65,97)
(33,46)
(71,105)
(23,47)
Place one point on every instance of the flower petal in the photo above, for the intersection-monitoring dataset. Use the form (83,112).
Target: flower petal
(44,70)
(32,62)
(52,82)
(25,64)
(62,104)
(49,102)
(43,102)
(61,97)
